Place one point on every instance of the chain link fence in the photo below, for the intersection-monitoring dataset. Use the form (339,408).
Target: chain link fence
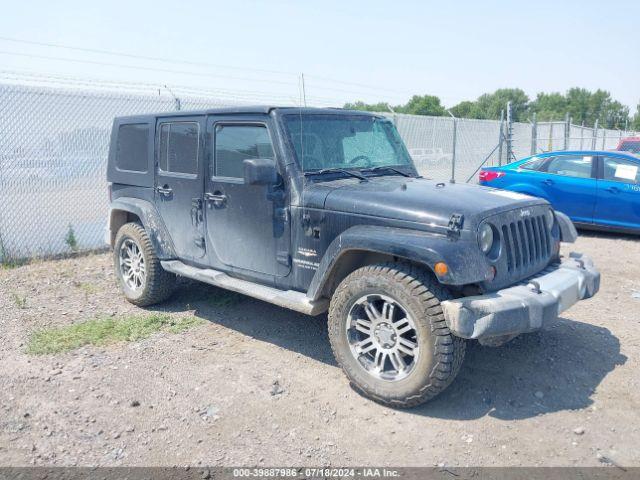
(54,140)
(567,136)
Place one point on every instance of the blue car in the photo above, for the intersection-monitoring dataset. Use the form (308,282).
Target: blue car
(596,189)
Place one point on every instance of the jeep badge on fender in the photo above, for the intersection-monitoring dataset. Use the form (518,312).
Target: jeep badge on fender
(322,210)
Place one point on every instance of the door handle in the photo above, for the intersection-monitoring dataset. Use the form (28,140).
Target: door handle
(164,190)
(613,190)
(548,181)
(218,199)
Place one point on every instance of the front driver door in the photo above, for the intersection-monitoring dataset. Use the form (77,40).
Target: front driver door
(618,203)
(247,225)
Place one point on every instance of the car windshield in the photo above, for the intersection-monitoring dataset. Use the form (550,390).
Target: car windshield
(328,142)
(630,146)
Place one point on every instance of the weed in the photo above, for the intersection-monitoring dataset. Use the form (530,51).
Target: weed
(19,300)
(104,331)
(71,240)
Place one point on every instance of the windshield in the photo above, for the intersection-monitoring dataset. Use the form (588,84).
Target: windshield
(632,146)
(345,141)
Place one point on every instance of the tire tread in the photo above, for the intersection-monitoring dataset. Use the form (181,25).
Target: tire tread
(449,350)
(159,283)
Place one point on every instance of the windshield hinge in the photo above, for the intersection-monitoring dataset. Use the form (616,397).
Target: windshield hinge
(456,221)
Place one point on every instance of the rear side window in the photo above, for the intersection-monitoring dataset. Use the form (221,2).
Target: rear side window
(178,147)
(237,143)
(571,166)
(133,147)
(535,163)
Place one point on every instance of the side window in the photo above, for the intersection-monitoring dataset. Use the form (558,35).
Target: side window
(571,166)
(178,147)
(619,170)
(236,143)
(536,163)
(133,147)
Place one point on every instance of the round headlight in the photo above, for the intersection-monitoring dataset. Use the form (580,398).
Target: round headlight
(550,218)
(485,238)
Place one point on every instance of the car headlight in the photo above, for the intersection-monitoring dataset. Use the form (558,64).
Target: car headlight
(551,219)
(485,238)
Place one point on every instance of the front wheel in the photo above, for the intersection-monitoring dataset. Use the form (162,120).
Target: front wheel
(388,333)
(138,271)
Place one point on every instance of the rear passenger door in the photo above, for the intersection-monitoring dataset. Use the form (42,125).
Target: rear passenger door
(570,185)
(618,203)
(179,183)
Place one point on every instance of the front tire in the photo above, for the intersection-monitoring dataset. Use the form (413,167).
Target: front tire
(388,333)
(138,271)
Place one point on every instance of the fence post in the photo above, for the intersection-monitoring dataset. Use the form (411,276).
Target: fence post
(595,135)
(567,127)
(534,134)
(550,144)
(581,135)
(500,137)
(604,137)
(509,133)
(453,158)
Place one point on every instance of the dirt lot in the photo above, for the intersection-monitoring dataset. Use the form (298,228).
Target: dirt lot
(257,385)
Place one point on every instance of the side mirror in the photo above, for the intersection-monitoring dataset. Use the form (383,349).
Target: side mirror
(260,171)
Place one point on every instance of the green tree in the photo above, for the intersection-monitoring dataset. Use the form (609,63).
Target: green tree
(585,106)
(549,106)
(368,107)
(465,109)
(490,105)
(423,105)
(635,124)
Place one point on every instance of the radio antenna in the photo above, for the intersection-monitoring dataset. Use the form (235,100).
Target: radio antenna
(304,92)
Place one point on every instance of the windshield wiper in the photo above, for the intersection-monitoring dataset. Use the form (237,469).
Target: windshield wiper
(336,170)
(385,167)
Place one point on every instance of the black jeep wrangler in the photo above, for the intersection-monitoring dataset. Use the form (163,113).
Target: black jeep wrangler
(323,209)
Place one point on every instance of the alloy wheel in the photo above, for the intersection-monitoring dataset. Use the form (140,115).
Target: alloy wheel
(382,337)
(132,265)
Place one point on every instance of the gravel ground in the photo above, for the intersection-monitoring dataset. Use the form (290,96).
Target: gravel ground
(257,385)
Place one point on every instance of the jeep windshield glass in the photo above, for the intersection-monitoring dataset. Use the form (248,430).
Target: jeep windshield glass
(355,142)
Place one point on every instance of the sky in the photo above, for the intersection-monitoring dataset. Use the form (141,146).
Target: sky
(347,50)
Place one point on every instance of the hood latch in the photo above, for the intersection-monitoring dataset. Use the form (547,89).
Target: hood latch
(456,221)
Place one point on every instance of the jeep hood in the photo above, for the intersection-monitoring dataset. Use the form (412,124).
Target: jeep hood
(420,200)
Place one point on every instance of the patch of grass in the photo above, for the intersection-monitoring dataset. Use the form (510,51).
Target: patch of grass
(104,331)
(10,264)
(19,300)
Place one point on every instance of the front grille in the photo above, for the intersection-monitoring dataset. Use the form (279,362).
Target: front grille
(526,243)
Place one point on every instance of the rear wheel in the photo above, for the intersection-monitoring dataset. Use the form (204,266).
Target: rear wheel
(138,271)
(388,333)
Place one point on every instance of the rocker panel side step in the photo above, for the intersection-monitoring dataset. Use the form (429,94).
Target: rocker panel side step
(284,298)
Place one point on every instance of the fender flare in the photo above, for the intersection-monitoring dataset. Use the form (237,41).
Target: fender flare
(568,232)
(422,247)
(151,221)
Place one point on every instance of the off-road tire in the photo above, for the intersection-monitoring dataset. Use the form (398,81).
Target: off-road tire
(159,284)
(441,353)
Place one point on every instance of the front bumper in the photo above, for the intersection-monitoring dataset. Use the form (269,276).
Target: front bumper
(526,306)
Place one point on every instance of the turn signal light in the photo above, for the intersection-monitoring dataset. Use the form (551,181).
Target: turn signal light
(489,175)
(441,269)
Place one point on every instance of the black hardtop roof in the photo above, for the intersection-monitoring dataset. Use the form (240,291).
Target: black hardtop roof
(248,110)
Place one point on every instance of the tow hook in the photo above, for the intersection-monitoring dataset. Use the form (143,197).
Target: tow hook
(534,287)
